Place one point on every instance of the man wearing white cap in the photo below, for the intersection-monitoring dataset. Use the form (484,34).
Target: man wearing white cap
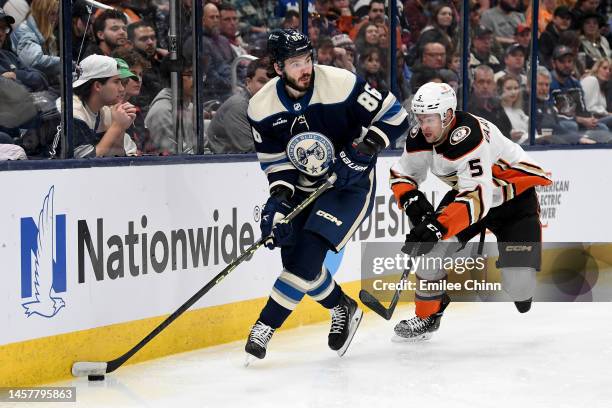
(100,121)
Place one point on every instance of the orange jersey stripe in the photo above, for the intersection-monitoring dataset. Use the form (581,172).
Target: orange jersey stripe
(521,179)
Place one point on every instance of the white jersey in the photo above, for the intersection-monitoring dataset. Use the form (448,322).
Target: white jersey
(475,159)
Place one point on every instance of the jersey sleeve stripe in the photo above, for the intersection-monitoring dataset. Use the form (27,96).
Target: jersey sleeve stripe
(465,210)
(281,183)
(270,157)
(381,134)
(388,103)
(278,167)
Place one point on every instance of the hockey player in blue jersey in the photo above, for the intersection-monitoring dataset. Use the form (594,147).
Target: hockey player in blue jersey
(309,122)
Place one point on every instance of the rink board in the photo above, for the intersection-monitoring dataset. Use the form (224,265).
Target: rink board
(109,291)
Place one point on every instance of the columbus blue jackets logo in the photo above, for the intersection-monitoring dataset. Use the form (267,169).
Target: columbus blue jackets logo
(311,153)
(459,134)
(44,242)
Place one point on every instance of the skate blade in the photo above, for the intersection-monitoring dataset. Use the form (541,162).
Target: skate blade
(249,360)
(418,339)
(355,321)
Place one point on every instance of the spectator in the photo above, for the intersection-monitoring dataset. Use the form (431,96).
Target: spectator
(403,78)
(416,18)
(523,36)
(137,65)
(514,62)
(545,15)
(110,32)
(322,19)
(441,28)
(100,121)
(19,9)
(503,20)
(455,63)
(325,52)
(346,19)
(548,128)
(34,41)
(483,101)
(433,57)
(81,34)
(371,69)
(291,20)
(142,36)
(159,119)
(366,38)
(131,16)
(255,19)
(376,15)
(511,97)
(581,8)
(571,39)
(593,44)
(220,56)
(568,97)
(228,27)
(11,66)
(562,20)
(482,46)
(594,84)
(344,52)
(229,130)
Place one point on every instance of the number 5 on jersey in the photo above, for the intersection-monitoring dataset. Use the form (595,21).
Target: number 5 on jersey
(370,99)
(475,168)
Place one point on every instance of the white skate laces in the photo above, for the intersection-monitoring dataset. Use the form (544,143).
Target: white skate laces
(417,324)
(339,317)
(261,334)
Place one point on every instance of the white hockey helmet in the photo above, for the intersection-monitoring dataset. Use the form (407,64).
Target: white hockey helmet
(434,97)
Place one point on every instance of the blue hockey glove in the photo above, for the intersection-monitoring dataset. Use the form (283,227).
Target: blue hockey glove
(349,167)
(277,207)
(423,237)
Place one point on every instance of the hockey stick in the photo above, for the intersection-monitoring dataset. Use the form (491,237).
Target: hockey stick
(96,370)
(374,304)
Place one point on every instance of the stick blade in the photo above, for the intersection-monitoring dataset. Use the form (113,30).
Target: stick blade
(85,368)
(373,304)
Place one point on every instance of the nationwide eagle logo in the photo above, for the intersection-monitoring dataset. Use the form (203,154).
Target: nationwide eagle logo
(311,153)
(46,278)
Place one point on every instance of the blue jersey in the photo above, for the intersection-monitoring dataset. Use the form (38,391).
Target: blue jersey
(294,137)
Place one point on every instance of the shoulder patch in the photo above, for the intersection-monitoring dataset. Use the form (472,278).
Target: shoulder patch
(459,134)
(416,141)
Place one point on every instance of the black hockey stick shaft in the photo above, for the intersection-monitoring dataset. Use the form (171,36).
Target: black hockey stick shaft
(374,304)
(119,361)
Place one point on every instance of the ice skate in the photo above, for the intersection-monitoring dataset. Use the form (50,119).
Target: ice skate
(257,342)
(345,321)
(418,329)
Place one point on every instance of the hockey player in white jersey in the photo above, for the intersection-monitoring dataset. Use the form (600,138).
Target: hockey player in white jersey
(492,182)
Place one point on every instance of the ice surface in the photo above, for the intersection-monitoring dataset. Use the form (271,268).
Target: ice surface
(484,355)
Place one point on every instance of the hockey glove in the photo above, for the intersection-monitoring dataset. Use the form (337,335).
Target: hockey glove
(355,160)
(416,206)
(277,207)
(423,237)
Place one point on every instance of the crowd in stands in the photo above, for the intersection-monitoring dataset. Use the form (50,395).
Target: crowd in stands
(124,102)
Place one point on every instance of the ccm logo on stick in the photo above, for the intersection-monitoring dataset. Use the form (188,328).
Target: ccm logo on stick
(329,217)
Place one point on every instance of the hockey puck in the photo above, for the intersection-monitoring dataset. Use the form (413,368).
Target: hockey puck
(95,377)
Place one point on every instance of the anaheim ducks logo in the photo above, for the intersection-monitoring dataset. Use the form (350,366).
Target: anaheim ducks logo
(459,134)
(414,131)
(311,153)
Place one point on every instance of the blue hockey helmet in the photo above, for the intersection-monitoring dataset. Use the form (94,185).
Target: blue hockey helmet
(287,43)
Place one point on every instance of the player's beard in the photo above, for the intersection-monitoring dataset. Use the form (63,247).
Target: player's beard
(292,83)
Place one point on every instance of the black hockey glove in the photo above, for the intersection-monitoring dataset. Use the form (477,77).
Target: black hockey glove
(277,207)
(416,206)
(354,161)
(423,237)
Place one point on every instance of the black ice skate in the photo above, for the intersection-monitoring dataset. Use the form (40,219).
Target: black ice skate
(345,321)
(258,341)
(417,329)
(523,306)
